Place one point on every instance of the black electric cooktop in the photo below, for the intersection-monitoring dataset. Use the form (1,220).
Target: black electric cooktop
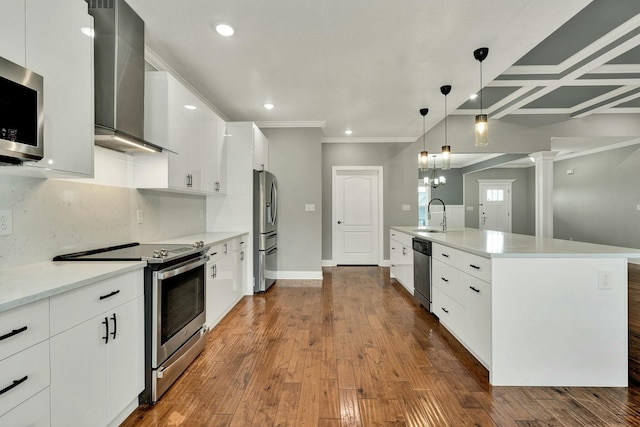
(152,253)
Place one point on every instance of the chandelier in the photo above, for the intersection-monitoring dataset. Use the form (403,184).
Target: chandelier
(433,179)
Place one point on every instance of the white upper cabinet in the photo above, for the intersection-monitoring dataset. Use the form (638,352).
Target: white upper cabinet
(177,119)
(57,49)
(260,150)
(12,37)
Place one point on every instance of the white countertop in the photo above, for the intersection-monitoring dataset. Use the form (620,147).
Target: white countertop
(32,282)
(496,244)
(209,238)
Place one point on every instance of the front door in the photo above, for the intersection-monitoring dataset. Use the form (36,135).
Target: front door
(356,216)
(495,205)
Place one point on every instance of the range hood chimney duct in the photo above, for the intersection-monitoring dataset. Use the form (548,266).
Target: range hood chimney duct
(119,69)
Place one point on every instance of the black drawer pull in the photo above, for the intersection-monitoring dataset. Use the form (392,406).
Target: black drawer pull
(445,255)
(474,289)
(474,266)
(444,309)
(445,279)
(12,333)
(109,295)
(15,384)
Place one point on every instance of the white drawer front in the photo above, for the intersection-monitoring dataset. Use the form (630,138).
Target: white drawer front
(33,412)
(449,280)
(23,327)
(218,251)
(74,307)
(478,266)
(453,257)
(240,243)
(448,311)
(26,373)
(402,238)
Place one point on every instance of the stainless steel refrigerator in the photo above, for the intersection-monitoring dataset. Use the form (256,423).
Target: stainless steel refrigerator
(265,230)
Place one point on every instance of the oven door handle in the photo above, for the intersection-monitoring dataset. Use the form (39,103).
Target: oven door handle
(182,268)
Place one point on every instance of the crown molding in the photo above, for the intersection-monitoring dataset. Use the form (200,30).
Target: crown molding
(292,124)
(368,139)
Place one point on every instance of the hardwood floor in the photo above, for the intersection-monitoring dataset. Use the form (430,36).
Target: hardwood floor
(358,351)
(634,324)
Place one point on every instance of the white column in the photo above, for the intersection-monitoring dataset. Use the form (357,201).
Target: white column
(544,192)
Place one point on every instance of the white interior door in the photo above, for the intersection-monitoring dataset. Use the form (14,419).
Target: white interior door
(495,205)
(357,217)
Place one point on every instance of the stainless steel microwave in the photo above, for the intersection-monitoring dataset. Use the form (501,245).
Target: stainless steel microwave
(21,113)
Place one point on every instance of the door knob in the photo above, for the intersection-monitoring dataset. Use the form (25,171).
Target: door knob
(339,222)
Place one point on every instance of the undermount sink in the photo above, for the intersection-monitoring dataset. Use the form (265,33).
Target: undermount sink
(428,230)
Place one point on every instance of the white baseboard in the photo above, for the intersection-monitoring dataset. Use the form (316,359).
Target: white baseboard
(299,275)
(328,263)
(385,263)
(634,260)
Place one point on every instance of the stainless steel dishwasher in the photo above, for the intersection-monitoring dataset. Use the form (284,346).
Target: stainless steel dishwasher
(422,272)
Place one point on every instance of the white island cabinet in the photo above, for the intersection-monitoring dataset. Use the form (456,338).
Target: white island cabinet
(534,311)
(401,259)
(97,352)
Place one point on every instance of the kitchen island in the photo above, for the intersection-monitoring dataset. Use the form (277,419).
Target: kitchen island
(535,311)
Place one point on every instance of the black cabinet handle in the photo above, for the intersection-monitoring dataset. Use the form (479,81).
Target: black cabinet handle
(445,255)
(474,289)
(474,266)
(15,384)
(115,326)
(12,333)
(106,326)
(445,279)
(444,309)
(109,295)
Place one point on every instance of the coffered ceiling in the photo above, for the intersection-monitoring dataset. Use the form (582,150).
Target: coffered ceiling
(590,65)
(369,66)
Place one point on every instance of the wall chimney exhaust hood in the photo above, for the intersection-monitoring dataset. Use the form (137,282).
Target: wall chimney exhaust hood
(119,77)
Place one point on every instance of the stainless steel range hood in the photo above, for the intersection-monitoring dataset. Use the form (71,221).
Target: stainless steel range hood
(119,77)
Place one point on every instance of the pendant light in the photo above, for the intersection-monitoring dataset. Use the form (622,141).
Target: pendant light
(482,128)
(423,158)
(446,149)
(433,180)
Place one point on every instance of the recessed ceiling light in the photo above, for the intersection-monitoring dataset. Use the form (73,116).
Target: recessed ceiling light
(269,106)
(190,107)
(88,32)
(473,96)
(348,132)
(225,29)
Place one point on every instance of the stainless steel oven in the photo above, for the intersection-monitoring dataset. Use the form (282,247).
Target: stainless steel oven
(178,316)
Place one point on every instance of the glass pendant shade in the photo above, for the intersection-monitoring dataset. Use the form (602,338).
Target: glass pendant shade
(482,131)
(423,160)
(423,157)
(446,157)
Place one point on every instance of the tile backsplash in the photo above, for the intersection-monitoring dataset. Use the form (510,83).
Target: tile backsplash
(52,217)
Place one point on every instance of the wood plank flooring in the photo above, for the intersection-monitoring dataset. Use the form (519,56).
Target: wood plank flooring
(634,324)
(358,351)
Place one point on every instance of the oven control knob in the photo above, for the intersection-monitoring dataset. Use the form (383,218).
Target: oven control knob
(196,244)
(156,254)
(164,252)
(201,244)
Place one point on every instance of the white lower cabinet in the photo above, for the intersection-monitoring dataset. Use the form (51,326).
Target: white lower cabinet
(225,278)
(462,298)
(97,365)
(33,412)
(401,259)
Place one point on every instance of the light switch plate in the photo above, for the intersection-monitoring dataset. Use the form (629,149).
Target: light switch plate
(469,208)
(6,223)
(140,216)
(406,207)
(310,207)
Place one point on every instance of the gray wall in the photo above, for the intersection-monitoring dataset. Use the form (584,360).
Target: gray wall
(522,212)
(52,217)
(294,157)
(400,184)
(598,202)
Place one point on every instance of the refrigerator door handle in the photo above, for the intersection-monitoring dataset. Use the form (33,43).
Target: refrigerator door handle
(274,202)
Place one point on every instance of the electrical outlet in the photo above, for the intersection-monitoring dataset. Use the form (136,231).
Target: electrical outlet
(6,223)
(309,207)
(140,216)
(469,208)
(201,214)
(605,280)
